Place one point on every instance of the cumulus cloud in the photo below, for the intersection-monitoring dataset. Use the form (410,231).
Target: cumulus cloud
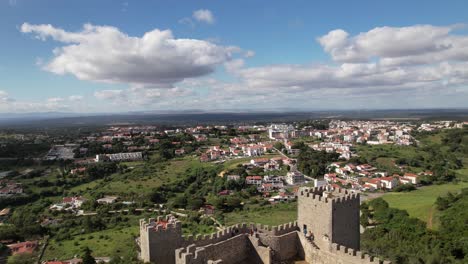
(110,94)
(234,65)
(383,58)
(419,44)
(105,54)
(407,64)
(203,15)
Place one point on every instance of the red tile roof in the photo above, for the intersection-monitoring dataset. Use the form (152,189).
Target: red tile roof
(23,247)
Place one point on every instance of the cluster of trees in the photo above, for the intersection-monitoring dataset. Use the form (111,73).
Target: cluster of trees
(21,149)
(316,124)
(166,149)
(101,170)
(457,140)
(23,223)
(314,163)
(198,183)
(442,158)
(191,187)
(402,239)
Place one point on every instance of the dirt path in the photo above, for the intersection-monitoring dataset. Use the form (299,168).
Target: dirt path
(430,218)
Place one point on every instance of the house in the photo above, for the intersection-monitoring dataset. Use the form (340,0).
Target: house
(350,167)
(414,178)
(209,209)
(282,197)
(107,200)
(80,170)
(329,177)
(295,177)
(179,152)
(69,203)
(368,187)
(23,247)
(389,182)
(272,179)
(233,177)
(375,183)
(253,180)
(130,156)
(224,192)
(4,213)
(404,180)
(204,158)
(272,165)
(253,150)
(266,187)
(259,161)
(365,167)
(11,188)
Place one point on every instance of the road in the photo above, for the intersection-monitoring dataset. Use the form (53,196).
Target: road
(286,156)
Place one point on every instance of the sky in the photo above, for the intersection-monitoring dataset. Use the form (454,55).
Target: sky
(115,56)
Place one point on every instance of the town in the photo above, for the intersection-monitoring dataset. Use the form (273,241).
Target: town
(207,177)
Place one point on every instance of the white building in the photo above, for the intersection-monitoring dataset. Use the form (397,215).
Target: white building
(294,177)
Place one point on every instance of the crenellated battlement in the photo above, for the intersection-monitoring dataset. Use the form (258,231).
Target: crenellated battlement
(161,224)
(243,228)
(190,254)
(323,195)
(351,197)
(359,256)
(326,231)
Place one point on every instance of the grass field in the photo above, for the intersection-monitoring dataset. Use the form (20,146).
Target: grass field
(267,215)
(420,203)
(103,244)
(142,179)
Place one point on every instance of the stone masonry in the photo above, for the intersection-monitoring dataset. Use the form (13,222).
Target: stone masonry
(332,216)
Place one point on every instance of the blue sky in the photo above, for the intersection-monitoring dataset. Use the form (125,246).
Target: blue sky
(302,55)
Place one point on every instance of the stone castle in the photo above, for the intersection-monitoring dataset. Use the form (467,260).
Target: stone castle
(332,216)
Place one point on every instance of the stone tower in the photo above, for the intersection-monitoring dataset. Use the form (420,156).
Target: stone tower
(159,239)
(331,215)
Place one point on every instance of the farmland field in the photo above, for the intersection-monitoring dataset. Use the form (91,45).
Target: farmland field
(420,203)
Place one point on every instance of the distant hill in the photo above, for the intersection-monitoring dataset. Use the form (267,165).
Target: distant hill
(56,119)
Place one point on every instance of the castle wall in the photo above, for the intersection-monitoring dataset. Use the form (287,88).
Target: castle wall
(158,243)
(334,254)
(345,223)
(315,212)
(285,247)
(333,218)
(230,251)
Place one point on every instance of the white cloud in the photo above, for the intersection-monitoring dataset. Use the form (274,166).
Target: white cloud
(406,58)
(419,44)
(187,21)
(203,15)
(75,98)
(105,54)
(55,100)
(110,94)
(4,97)
(249,54)
(382,68)
(234,66)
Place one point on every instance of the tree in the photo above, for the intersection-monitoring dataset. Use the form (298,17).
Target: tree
(232,203)
(195,203)
(279,146)
(87,258)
